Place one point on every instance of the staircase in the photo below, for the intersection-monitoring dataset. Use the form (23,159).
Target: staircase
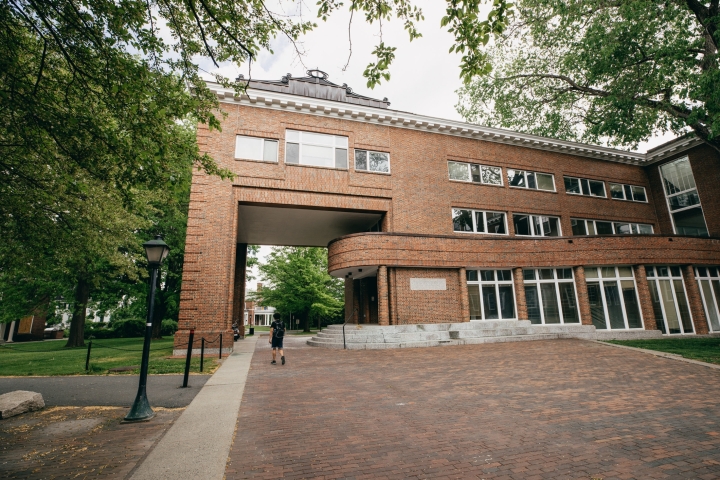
(375,337)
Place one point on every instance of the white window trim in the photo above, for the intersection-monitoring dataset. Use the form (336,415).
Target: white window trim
(368,161)
(612,223)
(624,199)
(468,164)
(264,139)
(496,283)
(579,179)
(302,142)
(538,215)
(667,197)
(616,279)
(556,281)
(707,277)
(656,279)
(475,232)
(526,187)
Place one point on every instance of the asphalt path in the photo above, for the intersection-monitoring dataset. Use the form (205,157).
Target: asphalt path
(107,390)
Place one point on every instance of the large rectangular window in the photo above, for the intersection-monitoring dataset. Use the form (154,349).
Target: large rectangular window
(470,172)
(613,298)
(550,296)
(631,193)
(255,148)
(709,283)
(533,180)
(670,304)
(316,149)
(478,221)
(603,227)
(536,225)
(491,294)
(682,198)
(584,186)
(372,161)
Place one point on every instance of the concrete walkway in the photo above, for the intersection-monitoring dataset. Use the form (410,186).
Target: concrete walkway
(198,444)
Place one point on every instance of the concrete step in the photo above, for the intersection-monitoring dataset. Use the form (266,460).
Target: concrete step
(435,343)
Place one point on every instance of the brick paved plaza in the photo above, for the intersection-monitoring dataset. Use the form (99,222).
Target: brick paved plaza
(525,410)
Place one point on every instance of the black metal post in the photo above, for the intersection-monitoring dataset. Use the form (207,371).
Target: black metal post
(202,353)
(220,357)
(188,357)
(141,410)
(87,360)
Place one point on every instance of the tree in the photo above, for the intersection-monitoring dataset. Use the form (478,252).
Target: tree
(614,72)
(298,283)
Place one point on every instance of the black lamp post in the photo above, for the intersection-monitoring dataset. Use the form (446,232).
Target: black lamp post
(155,251)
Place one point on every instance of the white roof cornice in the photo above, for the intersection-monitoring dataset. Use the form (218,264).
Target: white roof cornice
(395,118)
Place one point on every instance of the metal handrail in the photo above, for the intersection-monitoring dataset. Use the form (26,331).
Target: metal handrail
(346,321)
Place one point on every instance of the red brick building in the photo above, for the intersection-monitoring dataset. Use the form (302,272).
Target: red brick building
(437,221)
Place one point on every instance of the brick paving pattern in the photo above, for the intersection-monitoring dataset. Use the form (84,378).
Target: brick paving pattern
(77,442)
(526,410)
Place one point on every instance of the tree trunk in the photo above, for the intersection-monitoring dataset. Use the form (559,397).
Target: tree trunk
(305,322)
(77,324)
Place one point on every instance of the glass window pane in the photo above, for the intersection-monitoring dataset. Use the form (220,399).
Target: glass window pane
(628,192)
(475,173)
(552,227)
(564,273)
(318,139)
(710,305)
(616,191)
(591,272)
(625,272)
(462,220)
(536,225)
(568,302)
(533,304)
(292,153)
(522,224)
(597,311)
(487,275)
(690,222)
(528,274)
(516,178)
(531,180)
(507,302)
(604,228)
(591,228)
(551,308)
(292,136)
(712,271)
(546,273)
(474,300)
(504,275)
(607,272)
(675,271)
(677,176)
(666,294)
(649,272)
(585,186)
(657,307)
(492,175)
(545,181)
(270,153)
(682,200)
(341,158)
(702,271)
(379,162)
(341,142)
(572,185)
(471,275)
(479,222)
(248,148)
(683,306)
(459,171)
(639,194)
(597,189)
(632,309)
(318,156)
(622,229)
(361,160)
(490,304)
(645,229)
(614,306)
(495,222)
(578,227)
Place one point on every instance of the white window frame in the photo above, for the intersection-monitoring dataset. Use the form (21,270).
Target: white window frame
(556,281)
(301,143)
(668,196)
(367,160)
(655,278)
(469,174)
(633,226)
(264,142)
(617,278)
(623,185)
(474,221)
(707,277)
(496,283)
(525,177)
(531,215)
(580,180)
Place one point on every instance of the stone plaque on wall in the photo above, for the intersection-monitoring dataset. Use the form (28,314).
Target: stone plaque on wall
(427,284)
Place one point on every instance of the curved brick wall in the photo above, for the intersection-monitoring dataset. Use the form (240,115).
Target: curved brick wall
(405,250)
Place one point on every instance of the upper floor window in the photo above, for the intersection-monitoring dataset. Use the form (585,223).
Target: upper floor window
(536,225)
(583,186)
(477,221)
(534,180)
(633,193)
(470,172)
(372,161)
(682,198)
(600,227)
(255,148)
(316,149)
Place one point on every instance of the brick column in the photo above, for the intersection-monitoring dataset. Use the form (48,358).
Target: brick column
(520,293)
(392,291)
(464,301)
(583,301)
(696,306)
(382,293)
(239,288)
(644,297)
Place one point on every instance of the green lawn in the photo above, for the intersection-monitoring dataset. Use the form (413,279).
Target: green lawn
(702,349)
(52,358)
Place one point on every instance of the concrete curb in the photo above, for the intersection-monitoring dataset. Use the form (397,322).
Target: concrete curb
(671,356)
(198,444)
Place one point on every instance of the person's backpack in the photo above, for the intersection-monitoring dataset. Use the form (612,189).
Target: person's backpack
(279,330)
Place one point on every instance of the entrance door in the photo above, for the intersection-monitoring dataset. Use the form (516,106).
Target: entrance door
(670,304)
(366,292)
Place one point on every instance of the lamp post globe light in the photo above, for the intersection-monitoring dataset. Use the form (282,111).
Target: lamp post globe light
(155,251)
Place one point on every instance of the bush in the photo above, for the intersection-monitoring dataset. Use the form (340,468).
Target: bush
(98,330)
(132,327)
(168,327)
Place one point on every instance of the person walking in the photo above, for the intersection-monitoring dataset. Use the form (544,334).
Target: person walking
(277,333)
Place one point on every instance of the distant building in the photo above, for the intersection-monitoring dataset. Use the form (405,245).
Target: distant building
(257,315)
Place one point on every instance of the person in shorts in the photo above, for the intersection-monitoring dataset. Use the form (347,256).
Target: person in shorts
(277,334)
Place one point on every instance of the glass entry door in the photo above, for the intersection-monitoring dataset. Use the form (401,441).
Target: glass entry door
(709,282)
(670,304)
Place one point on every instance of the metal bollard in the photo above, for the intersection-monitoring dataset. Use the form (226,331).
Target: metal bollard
(220,357)
(188,357)
(202,352)
(87,360)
